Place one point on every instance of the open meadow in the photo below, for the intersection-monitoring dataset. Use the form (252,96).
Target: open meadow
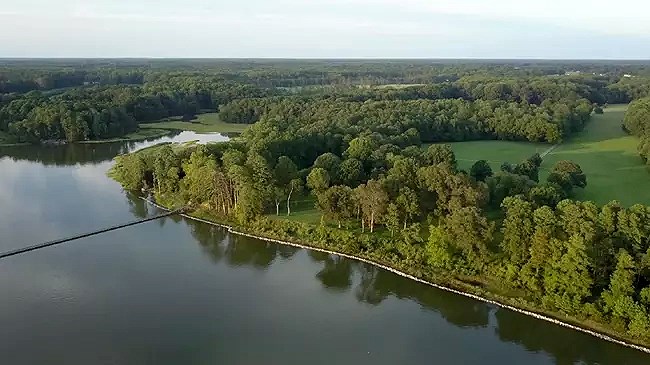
(607,155)
(609,158)
(204,123)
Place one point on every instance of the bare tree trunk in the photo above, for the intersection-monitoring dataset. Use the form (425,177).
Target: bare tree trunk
(404,223)
(277,207)
(339,224)
(289,201)
(363,225)
(372,221)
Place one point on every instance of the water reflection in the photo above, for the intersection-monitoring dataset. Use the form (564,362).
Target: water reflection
(374,286)
(94,153)
(235,250)
(155,296)
(581,348)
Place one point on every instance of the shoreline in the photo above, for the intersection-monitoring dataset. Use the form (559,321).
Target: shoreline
(529,313)
(162,133)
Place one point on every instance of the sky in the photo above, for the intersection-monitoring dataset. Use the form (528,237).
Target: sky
(549,29)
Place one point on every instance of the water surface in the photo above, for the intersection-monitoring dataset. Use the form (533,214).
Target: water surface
(175,291)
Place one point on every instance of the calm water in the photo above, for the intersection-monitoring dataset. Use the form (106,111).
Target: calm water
(179,292)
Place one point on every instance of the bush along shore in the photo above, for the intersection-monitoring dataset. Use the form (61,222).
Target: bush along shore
(445,283)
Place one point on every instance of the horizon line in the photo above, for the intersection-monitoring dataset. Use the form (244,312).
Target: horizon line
(317,58)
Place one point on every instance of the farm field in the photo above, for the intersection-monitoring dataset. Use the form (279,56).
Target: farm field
(205,123)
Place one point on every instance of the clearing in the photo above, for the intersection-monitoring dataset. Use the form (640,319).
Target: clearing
(495,152)
(605,152)
(204,123)
(609,158)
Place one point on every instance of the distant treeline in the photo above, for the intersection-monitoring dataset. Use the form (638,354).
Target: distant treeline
(94,99)
(99,112)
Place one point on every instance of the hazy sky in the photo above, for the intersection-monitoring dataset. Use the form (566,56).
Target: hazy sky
(326,28)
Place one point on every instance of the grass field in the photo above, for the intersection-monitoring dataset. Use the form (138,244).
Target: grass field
(609,158)
(205,123)
(495,152)
(604,151)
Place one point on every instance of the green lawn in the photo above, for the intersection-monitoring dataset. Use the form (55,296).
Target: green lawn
(140,135)
(495,152)
(609,158)
(205,123)
(604,151)
(303,210)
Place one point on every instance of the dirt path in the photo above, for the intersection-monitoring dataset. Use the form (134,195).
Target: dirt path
(543,154)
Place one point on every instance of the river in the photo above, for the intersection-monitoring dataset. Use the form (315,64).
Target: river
(174,291)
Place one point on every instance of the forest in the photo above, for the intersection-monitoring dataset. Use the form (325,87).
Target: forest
(367,144)
(375,163)
(78,100)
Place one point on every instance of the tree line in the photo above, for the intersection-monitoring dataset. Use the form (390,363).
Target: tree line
(99,112)
(306,130)
(637,122)
(95,99)
(413,209)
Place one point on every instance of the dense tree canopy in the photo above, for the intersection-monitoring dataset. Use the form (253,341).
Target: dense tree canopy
(379,174)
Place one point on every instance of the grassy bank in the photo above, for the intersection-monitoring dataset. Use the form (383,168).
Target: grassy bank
(141,135)
(205,123)
(8,141)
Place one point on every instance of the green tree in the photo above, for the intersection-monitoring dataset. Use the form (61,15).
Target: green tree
(542,246)
(318,180)
(350,172)
(441,154)
(439,251)
(337,203)
(407,204)
(518,228)
(373,201)
(361,148)
(481,170)
(567,282)
(284,173)
(330,162)
(568,175)
(549,194)
(130,171)
(471,232)
(166,169)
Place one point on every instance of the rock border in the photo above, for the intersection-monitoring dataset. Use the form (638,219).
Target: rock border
(405,275)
